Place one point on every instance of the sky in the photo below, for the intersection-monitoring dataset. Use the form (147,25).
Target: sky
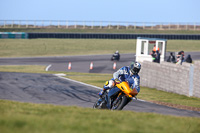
(102,10)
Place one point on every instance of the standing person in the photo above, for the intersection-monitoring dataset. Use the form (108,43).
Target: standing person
(188,59)
(157,56)
(171,58)
(153,54)
(126,73)
(180,57)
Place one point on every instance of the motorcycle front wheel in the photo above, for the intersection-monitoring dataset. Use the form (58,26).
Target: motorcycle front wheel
(119,104)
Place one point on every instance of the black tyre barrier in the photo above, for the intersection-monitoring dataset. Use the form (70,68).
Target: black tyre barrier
(113,36)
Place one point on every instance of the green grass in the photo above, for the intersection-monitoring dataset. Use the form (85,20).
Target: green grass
(63,30)
(99,79)
(64,47)
(43,118)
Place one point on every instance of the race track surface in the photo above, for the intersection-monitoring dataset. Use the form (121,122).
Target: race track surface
(50,89)
(101,63)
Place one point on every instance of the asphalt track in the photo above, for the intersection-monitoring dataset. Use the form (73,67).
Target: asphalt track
(101,63)
(50,89)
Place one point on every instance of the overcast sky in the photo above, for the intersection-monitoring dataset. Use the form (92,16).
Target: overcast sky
(102,10)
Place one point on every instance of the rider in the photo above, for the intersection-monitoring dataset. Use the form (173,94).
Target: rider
(126,73)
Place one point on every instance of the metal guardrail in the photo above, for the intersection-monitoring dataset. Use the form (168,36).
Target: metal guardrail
(73,24)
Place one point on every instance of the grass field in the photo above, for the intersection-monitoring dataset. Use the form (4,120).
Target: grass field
(64,47)
(97,30)
(27,117)
(43,118)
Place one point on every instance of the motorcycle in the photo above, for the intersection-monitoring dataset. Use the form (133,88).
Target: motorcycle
(119,100)
(115,57)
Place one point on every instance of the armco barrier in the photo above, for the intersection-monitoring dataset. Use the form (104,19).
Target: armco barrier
(181,79)
(112,36)
(13,35)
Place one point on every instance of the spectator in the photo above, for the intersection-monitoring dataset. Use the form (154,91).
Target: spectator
(171,58)
(188,59)
(180,57)
(153,54)
(157,56)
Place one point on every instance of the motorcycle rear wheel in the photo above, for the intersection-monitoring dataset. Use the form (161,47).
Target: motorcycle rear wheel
(99,104)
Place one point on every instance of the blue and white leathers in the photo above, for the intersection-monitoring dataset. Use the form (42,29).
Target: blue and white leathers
(123,74)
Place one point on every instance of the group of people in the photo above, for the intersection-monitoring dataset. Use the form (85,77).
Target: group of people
(180,58)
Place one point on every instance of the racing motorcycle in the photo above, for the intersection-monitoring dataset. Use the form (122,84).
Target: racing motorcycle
(119,100)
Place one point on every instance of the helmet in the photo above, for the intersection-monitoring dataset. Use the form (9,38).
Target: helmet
(111,83)
(135,68)
(117,52)
(154,49)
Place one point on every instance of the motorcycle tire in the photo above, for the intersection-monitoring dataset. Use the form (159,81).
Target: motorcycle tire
(119,105)
(99,104)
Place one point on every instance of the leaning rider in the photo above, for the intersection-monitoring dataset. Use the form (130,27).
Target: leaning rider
(126,73)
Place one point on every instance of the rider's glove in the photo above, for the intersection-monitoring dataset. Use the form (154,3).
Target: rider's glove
(117,81)
(101,93)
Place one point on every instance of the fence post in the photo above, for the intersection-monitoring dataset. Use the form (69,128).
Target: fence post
(134,26)
(19,24)
(75,25)
(12,24)
(186,26)
(100,25)
(26,24)
(4,24)
(66,24)
(178,26)
(152,26)
(58,24)
(92,25)
(191,75)
(161,26)
(84,25)
(35,24)
(194,26)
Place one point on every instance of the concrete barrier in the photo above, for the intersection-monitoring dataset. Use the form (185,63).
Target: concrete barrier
(181,79)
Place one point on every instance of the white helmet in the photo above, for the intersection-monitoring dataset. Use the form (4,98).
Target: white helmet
(111,83)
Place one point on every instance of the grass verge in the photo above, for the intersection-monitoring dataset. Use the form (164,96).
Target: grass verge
(44,118)
(64,47)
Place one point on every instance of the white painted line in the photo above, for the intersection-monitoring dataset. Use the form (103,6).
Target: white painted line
(78,82)
(47,68)
(60,76)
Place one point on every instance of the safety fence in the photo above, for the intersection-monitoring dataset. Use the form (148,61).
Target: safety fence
(96,36)
(74,24)
(13,35)
(181,79)
(112,36)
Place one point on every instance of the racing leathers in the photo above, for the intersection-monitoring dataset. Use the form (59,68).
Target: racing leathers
(123,74)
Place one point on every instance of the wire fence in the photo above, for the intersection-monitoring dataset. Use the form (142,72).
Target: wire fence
(72,24)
